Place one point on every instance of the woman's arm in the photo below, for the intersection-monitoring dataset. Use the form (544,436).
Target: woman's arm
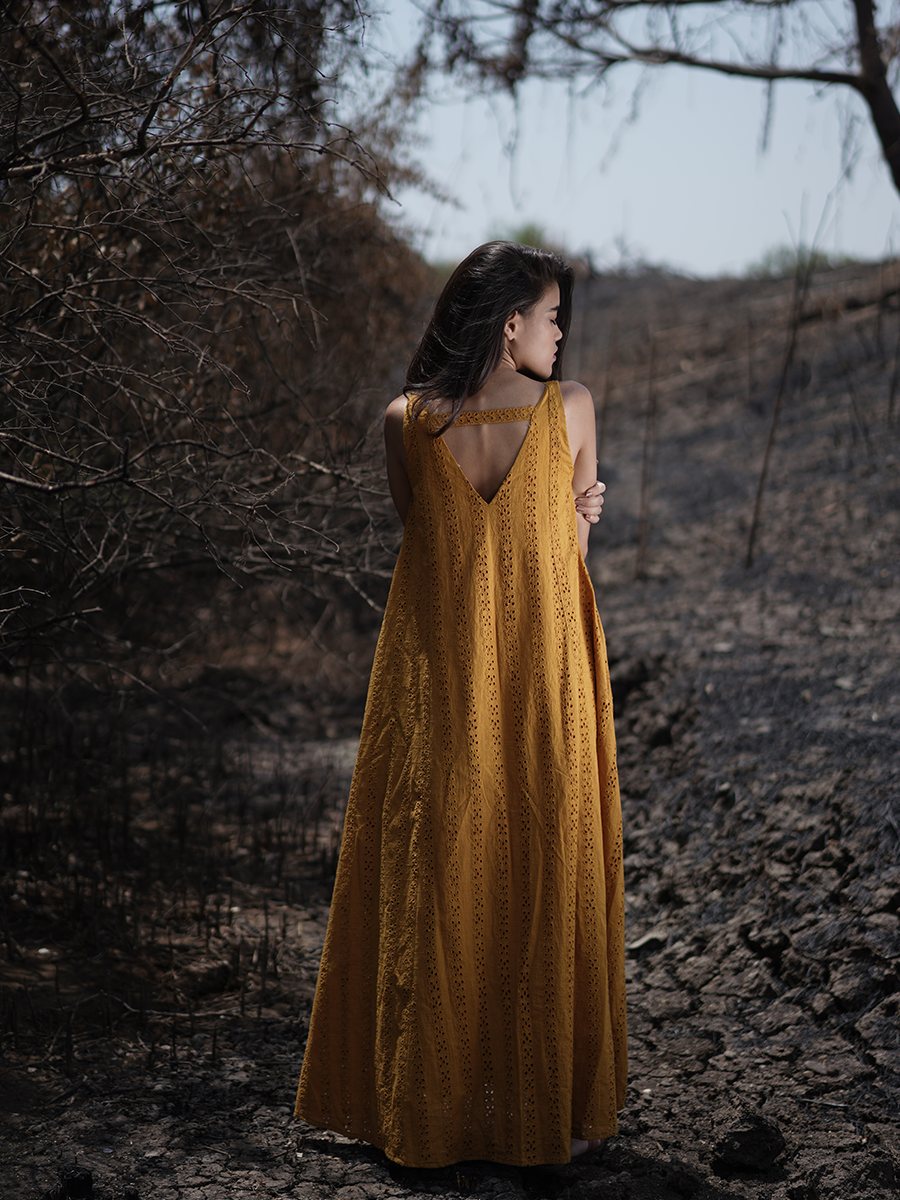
(581,428)
(395,454)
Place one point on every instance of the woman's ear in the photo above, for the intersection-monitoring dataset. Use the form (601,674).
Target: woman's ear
(511,327)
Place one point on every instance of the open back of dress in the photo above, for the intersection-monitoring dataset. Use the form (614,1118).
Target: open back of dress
(471,998)
(485,445)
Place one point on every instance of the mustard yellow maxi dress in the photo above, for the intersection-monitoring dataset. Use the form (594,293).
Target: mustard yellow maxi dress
(471,998)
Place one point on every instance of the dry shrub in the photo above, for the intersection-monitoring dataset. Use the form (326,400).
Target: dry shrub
(204,314)
(170,432)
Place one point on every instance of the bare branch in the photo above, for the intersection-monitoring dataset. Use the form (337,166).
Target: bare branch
(200,38)
(84,113)
(656,56)
(500,42)
(183,405)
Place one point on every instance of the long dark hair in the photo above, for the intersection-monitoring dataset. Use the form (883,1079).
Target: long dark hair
(463,344)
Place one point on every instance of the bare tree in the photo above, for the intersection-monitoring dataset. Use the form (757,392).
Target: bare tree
(198,298)
(823,43)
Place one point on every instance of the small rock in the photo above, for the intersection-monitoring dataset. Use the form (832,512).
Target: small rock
(818,1067)
(768,942)
(796,970)
(79,1183)
(619,1187)
(851,987)
(683,1179)
(75,1183)
(879,1172)
(880,1027)
(352,1191)
(615,1187)
(204,980)
(585,1189)
(823,1003)
(779,1016)
(801,1191)
(887,897)
(746,1141)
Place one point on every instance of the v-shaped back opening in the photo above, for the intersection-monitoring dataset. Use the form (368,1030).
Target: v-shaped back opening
(486,444)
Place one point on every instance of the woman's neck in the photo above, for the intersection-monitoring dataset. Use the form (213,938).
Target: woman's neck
(506,388)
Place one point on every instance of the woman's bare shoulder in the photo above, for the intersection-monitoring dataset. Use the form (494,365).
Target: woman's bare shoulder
(395,453)
(578,405)
(394,414)
(575,395)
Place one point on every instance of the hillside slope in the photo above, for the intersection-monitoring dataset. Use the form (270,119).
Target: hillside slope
(758,718)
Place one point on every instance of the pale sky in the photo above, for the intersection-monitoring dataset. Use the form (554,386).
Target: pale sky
(684,185)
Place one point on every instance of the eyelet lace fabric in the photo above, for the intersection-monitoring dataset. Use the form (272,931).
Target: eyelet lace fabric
(471,997)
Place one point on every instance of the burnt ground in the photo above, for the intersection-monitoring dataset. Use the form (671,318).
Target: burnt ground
(758,716)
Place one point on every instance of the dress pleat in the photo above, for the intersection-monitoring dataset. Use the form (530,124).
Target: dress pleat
(471,997)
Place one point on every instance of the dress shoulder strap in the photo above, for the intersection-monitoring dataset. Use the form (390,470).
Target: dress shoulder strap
(487,416)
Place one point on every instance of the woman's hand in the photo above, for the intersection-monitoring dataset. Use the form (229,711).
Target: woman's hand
(589,503)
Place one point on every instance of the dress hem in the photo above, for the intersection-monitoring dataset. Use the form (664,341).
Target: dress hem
(508,1161)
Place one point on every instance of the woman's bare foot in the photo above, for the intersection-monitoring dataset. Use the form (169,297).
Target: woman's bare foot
(580,1146)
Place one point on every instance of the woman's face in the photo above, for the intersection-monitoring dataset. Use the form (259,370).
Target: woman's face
(531,340)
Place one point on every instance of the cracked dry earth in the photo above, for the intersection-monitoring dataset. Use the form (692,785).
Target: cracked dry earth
(758,716)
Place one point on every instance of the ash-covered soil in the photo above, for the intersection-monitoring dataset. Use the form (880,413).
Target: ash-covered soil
(758,716)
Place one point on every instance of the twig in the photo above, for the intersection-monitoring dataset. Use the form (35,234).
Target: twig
(801,287)
(644,521)
(575,364)
(69,1092)
(611,362)
(851,391)
(895,378)
(70,1043)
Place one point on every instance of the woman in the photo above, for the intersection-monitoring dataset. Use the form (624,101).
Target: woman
(471,1000)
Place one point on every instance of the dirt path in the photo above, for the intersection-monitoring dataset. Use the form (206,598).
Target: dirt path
(759,729)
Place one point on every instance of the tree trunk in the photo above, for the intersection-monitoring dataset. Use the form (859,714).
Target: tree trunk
(874,88)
